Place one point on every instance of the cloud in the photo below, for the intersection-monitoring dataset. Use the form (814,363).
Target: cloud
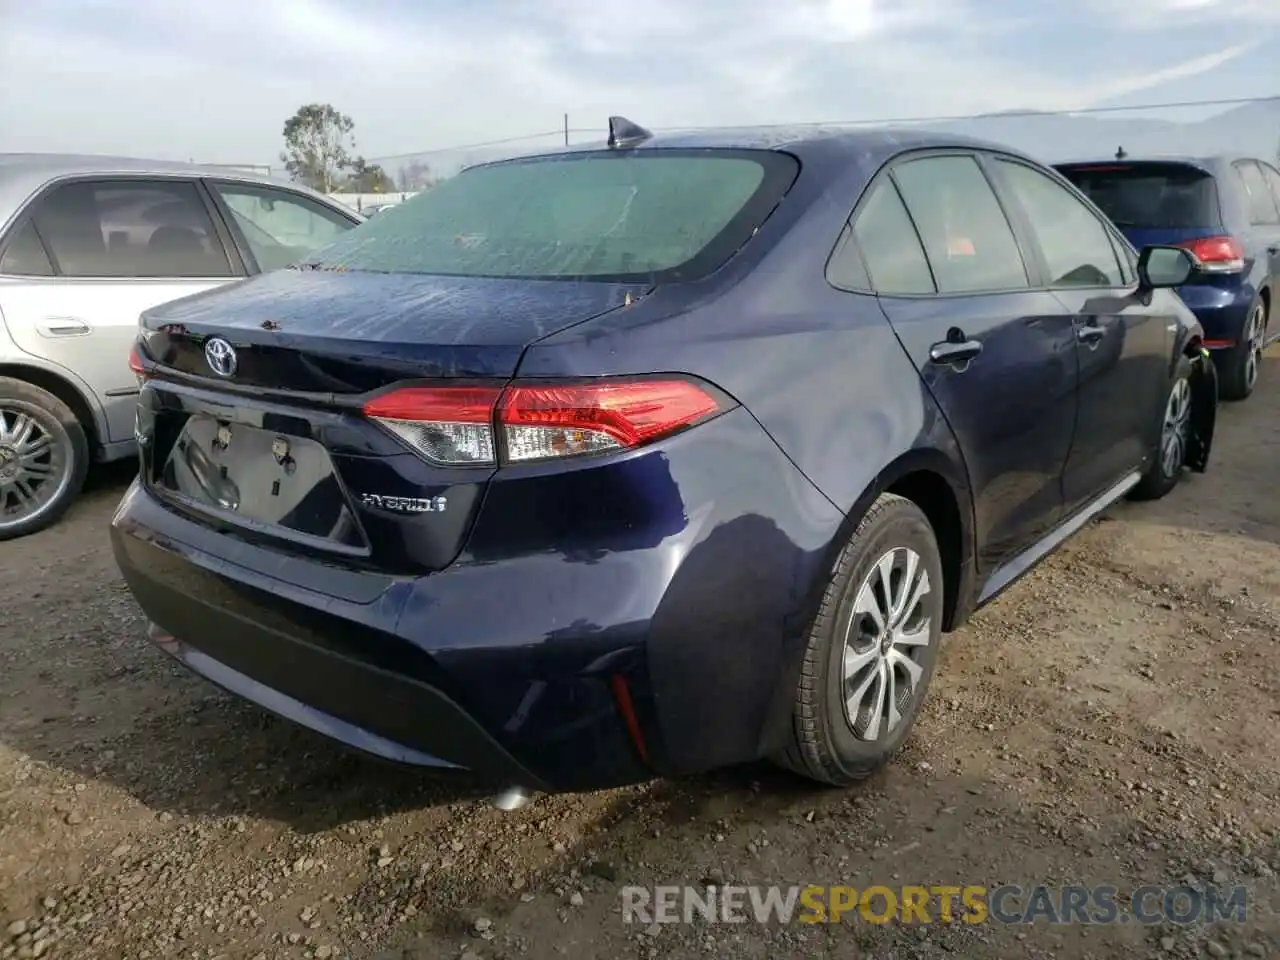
(216,81)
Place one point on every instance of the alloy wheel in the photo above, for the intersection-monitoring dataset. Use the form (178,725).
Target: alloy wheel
(1173,434)
(1254,333)
(886,637)
(34,466)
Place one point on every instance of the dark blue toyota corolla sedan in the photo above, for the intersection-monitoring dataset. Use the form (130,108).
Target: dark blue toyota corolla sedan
(629,461)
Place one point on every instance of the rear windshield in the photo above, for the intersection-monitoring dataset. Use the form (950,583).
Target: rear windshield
(1149,195)
(648,215)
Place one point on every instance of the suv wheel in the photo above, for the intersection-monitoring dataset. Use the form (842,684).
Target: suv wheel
(1244,361)
(44,458)
(872,648)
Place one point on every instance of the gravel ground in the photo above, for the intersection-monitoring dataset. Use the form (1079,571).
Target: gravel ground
(1112,719)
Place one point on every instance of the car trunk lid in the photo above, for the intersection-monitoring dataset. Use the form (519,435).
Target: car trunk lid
(276,447)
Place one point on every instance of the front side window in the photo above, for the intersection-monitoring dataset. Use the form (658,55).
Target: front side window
(280,227)
(647,215)
(890,244)
(1076,246)
(970,244)
(134,228)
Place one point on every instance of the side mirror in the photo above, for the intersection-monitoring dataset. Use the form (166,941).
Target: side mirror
(1165,267)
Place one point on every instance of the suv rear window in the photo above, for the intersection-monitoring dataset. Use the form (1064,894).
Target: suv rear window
(1149,195)
(651,215)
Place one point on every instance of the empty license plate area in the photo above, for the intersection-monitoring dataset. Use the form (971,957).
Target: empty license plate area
(259,478)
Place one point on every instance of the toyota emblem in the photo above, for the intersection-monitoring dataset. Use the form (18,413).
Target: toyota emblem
(221,357)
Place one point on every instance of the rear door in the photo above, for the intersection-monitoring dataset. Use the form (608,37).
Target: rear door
(88,256)
(998,356)
(1122,343)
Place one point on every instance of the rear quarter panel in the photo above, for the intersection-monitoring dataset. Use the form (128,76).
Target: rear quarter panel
(823,374)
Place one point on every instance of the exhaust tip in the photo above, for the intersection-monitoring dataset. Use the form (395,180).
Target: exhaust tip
(512,798)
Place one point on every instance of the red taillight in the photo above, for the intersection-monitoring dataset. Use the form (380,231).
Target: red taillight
(539,421)
(1217,254)
(556,421)
(135,364)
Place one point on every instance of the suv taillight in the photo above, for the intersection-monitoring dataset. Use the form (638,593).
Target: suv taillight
(1217,254)
(540,421)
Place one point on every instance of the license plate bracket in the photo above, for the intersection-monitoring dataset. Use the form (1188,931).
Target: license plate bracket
(260,478)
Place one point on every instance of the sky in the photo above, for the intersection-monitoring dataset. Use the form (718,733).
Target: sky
(215,81)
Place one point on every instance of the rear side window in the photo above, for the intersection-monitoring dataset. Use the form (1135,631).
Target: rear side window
(969,242)
(280,227)
(131,228)
(646,215)
(1262,206)
(1076,246)
(889,243)
(1150,196)
(25,255)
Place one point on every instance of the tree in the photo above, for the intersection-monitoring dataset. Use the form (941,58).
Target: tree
(416,175)
(367,178)
(318,145)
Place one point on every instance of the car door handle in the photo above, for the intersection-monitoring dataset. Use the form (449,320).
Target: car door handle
(63,327)
(954,351)
(1273,250)
(1090,333)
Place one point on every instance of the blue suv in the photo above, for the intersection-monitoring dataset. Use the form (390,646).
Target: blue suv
(1225,210)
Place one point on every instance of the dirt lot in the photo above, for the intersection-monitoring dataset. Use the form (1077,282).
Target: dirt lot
(1113,719)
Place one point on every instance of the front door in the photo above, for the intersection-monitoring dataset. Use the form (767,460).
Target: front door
(91,255)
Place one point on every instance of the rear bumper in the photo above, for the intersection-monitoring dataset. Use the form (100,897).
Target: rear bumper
(294,654)
(648,623)
(1220,310)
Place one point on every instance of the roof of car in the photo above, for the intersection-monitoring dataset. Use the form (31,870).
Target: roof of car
(868,142)
(22,174)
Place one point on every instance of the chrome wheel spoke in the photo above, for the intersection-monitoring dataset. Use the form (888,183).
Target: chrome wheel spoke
(854,701)
(868,604)
(919,637)
(875,715)
(912,669)
(854,662)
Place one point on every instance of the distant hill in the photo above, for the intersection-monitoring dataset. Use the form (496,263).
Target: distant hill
(1252,130)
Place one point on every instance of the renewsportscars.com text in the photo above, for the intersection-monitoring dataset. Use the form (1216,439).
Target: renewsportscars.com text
(970,904)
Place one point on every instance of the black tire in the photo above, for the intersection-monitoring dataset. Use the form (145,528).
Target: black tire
(1164,473)
(65,457)
(1240,366)
(825,745)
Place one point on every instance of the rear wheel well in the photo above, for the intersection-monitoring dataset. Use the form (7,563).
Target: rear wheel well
(933,495)
(64,391)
